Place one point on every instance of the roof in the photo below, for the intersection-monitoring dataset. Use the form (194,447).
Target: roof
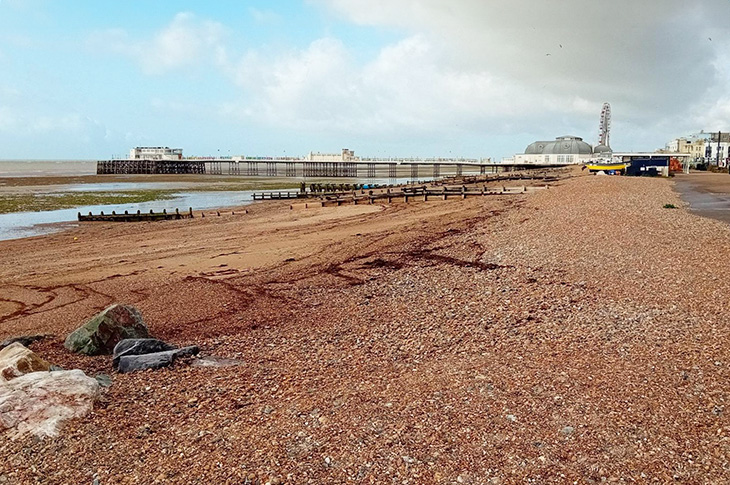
(563,145)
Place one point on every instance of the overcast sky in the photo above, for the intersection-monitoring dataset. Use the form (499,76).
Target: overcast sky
(476,78)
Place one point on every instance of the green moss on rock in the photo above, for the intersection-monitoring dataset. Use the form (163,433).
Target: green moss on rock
(103,331)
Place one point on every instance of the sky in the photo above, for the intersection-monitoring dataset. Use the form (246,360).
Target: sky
(90,79)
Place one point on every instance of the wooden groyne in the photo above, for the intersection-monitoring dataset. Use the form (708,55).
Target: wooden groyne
(136,217)
(442,190)
(411,194)
(278,195)
(408,194)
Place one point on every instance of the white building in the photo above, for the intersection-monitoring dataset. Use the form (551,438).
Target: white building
(563,150)
(719,149)
(155,153)
(345,156)
(713,148)
(695,145)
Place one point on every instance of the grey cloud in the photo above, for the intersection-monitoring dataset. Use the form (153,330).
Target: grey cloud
(649,58)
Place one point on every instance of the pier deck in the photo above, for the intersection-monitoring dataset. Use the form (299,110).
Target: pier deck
(284,167)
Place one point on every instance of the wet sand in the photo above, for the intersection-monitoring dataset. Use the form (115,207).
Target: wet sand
(707,193)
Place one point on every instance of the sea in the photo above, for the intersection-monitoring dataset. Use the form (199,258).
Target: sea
(27,224)
(46,168)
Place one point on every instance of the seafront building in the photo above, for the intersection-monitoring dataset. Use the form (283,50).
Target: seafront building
(345,156)
(569,150)
(703,147)
(719,149)
(564,150)
(155,153)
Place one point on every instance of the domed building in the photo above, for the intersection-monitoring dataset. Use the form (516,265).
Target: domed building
(562,151)
(602,151)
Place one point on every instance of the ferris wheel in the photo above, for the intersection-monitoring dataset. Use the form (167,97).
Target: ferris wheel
(604,127)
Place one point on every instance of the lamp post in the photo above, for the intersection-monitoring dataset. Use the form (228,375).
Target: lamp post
(719,135)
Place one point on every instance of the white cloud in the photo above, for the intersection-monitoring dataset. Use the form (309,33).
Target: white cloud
(187,42)
(472,68)
(264,16)
(408,89)
(21,123)
(654,61)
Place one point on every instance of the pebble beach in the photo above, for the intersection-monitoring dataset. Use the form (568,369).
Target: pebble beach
(572,335)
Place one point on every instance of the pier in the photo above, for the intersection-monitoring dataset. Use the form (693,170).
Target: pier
(411,168)
(131,166)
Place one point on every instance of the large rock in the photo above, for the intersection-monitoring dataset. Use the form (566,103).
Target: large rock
(40,401)
(139,346)
(100,334)
(16,360)
(157,360)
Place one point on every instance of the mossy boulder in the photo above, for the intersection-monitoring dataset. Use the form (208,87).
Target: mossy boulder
(100,334)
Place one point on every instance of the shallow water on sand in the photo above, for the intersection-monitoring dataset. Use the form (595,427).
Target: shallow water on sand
(26,224)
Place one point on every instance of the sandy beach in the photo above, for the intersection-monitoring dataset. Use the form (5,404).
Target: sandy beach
(571,335)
